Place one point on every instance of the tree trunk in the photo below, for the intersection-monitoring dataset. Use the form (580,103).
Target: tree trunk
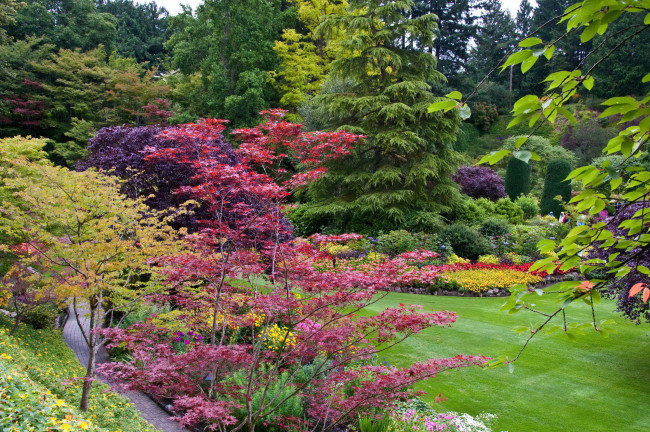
(90,367)
(88,381)
(511,73)
(15,326)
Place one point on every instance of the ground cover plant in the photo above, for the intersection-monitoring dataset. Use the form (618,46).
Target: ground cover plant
(42,357)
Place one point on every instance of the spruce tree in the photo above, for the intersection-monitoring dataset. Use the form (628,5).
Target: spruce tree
(517,178)
(554,185)
(495,38)
(401,175)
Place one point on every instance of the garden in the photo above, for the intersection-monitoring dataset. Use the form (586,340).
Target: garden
(309,236)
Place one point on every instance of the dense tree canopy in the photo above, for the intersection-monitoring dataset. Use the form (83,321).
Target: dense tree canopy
(142,29)
(67,24)
(230,45)
(401,174)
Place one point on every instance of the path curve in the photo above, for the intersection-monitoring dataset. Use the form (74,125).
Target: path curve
(149,410)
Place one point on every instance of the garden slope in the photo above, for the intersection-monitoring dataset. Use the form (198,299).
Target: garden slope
(43,357)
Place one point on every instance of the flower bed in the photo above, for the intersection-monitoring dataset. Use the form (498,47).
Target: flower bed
(481,280)
(420,272)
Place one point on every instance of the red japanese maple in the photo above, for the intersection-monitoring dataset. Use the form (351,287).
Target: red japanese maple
(261,326)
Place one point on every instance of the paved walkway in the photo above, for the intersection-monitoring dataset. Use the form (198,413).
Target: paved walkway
(147,407)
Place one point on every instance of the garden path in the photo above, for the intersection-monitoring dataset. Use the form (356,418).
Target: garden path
(149,410)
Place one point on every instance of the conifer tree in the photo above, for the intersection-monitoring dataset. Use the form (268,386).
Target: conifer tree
(495,38)
(401,174)
(517,178)
(555,184)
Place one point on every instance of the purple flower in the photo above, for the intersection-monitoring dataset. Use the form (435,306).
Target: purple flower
(186,341)
(178,339)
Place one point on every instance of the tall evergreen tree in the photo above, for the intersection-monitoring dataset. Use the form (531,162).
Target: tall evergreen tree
(457,25)
(496,36)
(524,18)
(555,184)
(517,178)
(401,174)
(142,29)
(570,51)
(229,44)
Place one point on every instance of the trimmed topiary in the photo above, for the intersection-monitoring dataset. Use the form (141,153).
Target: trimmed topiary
(517,178)
(555,184)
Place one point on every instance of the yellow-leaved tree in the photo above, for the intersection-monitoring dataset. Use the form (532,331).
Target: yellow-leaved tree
(306,56)
(91,245)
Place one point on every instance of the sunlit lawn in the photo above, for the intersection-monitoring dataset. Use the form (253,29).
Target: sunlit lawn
(592,384)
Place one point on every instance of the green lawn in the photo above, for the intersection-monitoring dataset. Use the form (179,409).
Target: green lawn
(590,385)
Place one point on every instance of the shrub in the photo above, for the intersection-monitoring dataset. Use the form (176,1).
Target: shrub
(469,211)
(525,239)
(554,185)
(488,207)
(513,258)
(483,115)
(466,242)
(509,210)
(455,259)
(396,242)
(517,178)
(480,182)
(42,316)
(489,259)
(587,139)
(529,205)
(545,150)
(494,227)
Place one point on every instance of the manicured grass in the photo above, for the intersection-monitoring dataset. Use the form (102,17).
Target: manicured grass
(590,385)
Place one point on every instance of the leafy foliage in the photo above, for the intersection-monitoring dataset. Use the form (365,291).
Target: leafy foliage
(229,46)
(556,183)
(401,173)
(59,217)
(465,241)
(517,178)
(480,182)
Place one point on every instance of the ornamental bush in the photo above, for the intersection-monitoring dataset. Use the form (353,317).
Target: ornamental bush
(494,227)
(480,182)
(396,242)
(554,185)
(120,150)
(517,178)
(529,205)
(466,242)
(509,211)
(468,212)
